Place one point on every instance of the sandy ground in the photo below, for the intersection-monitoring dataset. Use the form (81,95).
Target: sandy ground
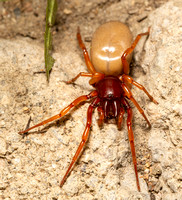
(32,166)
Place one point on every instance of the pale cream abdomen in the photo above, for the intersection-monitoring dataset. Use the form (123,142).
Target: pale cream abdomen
(109,42)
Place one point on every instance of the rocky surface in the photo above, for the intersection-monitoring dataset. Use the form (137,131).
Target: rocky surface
(32,166)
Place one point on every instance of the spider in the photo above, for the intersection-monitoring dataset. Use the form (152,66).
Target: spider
(111,53)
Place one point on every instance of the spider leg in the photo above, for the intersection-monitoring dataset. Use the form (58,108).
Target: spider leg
(120,117)
(130,96)
(64,111)
(85,53)
(130,50)
(128,79)
(77,76)
(94,77)
(131,138)
(84,138)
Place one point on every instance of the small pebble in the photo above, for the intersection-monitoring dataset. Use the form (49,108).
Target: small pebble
(67,11)
(156,170)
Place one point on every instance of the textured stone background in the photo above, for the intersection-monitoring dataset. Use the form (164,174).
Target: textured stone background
(31,167)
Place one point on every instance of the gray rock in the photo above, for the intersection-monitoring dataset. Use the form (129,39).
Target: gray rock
(36,167)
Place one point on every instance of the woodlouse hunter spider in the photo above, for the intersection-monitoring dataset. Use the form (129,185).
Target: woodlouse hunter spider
(111,52)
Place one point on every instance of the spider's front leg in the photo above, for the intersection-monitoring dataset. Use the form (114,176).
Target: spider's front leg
(131,138)
(84,138)
(64,111)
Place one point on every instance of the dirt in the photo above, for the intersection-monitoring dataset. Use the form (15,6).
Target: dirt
(32,166)
(20,18)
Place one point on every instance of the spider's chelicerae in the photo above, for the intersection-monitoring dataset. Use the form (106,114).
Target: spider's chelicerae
(111,53)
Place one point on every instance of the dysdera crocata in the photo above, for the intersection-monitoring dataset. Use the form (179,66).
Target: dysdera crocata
(111,52)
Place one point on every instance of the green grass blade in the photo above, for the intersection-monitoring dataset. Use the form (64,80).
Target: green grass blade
(50,20)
